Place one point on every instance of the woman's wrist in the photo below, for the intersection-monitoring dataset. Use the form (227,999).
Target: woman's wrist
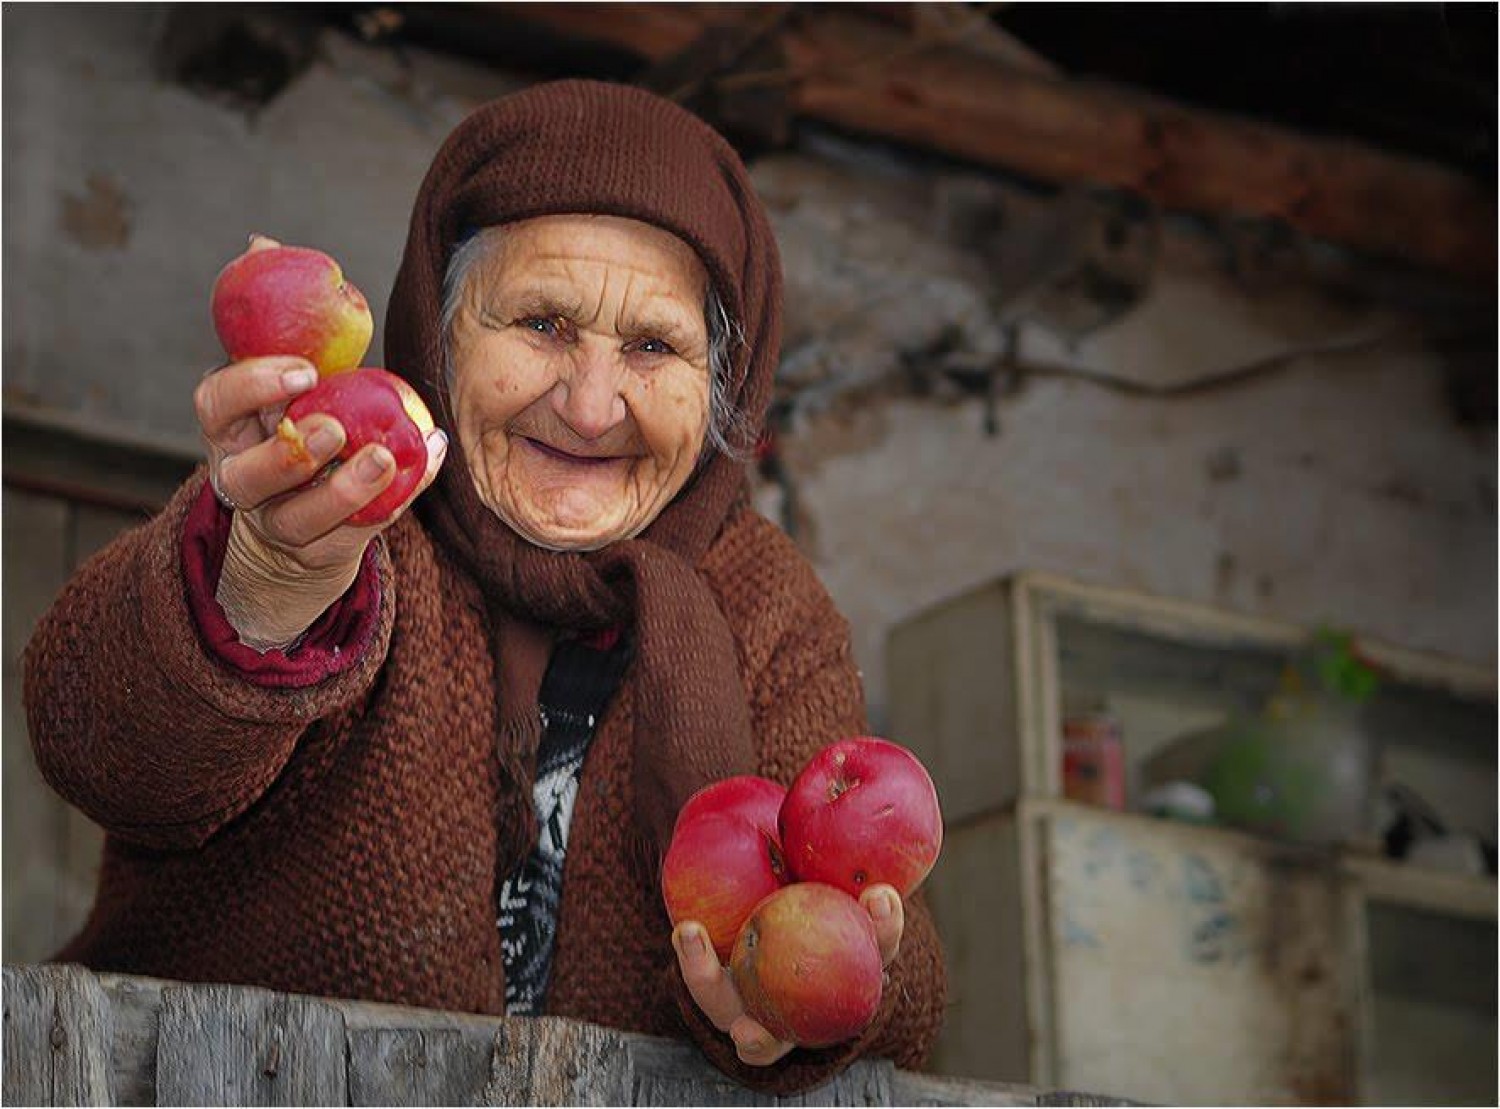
(269,599)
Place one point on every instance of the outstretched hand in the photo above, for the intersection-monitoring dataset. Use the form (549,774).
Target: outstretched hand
(713,990)
(291,549)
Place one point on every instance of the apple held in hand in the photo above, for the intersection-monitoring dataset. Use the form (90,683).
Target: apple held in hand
(862,811)
(807,965)
(757,800)
(276,299)
(374,406)
(724,857)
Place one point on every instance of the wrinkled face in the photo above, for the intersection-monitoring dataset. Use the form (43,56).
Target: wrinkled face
(580,387)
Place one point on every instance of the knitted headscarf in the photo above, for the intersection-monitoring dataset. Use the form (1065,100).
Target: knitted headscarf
(586,147)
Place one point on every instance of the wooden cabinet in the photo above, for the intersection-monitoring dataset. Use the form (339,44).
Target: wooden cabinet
(1169,962)
(1425,947)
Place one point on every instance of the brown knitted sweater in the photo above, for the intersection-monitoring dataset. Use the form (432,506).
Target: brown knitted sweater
(341,839)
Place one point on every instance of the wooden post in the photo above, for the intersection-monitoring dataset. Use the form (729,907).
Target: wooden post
(58,1032)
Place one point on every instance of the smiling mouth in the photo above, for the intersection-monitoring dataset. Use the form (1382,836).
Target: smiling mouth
(566,456)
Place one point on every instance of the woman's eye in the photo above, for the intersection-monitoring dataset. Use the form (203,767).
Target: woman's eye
(542,325)
(654,346)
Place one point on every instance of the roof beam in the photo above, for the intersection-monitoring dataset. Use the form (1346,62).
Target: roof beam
(921,89)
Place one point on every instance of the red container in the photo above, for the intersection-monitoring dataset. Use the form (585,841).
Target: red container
(1094,761)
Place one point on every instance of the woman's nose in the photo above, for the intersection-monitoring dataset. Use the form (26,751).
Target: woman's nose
(587,396)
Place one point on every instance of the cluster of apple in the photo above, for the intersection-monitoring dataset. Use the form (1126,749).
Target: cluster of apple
(773,875)
(279,300)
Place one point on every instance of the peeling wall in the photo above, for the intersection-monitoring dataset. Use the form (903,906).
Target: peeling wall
(1337,488)
(125,193)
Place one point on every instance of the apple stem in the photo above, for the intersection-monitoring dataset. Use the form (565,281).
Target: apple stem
(289,434)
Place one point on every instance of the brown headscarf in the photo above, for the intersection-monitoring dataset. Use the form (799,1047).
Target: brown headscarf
(587,147)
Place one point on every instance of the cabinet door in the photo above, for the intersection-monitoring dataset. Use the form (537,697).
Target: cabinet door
(983,919)
(1430,1015)
(1186,968)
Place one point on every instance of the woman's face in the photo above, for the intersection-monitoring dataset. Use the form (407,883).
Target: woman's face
(580,387)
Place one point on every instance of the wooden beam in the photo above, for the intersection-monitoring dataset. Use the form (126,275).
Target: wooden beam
(868,77)
(969,29)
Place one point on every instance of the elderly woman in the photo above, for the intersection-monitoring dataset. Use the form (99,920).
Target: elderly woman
(438,762)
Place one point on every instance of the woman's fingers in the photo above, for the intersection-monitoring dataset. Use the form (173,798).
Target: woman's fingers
(706,980)
(437,450)
(883,904)
(229,401)
(754,1045)
(302,519)
(253,467)
(267,481)
(277,465)
(713,991)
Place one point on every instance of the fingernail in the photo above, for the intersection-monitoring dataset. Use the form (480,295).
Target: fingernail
(295,381)
(752,1043)
(882,908)
(437,444)
(324,440)
(692,939)
(373,464)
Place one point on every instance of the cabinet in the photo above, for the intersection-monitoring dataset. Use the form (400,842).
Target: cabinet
(1169,962)
(1426,968)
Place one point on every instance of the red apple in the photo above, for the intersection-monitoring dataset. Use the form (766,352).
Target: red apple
(374,406)
(755,799)
(862,811)
(724,857)
(807,965)
(276,299)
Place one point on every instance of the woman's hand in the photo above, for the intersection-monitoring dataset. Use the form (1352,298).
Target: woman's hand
(290,554)
(713,990)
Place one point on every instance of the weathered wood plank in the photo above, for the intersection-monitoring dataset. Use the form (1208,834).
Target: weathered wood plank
(549,1061)
(359,1015)
(158,1042)
(58,1030)
(136,1003)
(668,1072)
(419,1066)
(225,1045)
(867,1082)
(908,1088)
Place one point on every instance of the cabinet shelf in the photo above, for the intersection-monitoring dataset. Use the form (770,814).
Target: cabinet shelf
(1180,963)
(1465,895)
(1462,895)
(979,686)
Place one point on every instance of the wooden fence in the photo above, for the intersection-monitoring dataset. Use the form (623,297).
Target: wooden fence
(76,1038)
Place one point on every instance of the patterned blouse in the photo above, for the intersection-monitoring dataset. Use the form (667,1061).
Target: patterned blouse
(581,678)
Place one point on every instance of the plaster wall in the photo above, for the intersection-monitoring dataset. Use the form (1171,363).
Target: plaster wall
(126,193)
(1334,487)
(1337,489)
